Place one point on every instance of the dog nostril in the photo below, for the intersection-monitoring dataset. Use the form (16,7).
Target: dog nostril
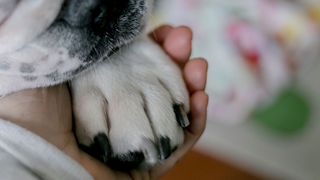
(98,14)
(107,13)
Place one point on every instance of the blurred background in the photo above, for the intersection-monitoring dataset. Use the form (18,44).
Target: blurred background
(264,87)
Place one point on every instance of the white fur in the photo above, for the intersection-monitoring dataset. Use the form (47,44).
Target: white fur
(120,88)
(129,97)
(28,18)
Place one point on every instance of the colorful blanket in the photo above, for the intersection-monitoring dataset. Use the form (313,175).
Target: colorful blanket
(254,47)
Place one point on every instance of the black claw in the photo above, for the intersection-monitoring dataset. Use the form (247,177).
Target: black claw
(125,162)
(100,148)
(181,116)
(174,149)
(164,148)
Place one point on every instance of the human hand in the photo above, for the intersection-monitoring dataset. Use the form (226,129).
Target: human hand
(47,111)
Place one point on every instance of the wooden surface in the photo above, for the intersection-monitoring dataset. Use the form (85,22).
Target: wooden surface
(203,167)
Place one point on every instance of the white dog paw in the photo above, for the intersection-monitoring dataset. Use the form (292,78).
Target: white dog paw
(130,111)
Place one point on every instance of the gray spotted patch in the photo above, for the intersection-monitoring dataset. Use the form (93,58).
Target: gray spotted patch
(60,63)
(27,68)
(45,58)
(53,76)
(4,66)
(30,78)
(61,52)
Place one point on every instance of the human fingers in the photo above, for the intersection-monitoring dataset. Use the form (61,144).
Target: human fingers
(195,74)
(176,42)
(199,103)
(160,33)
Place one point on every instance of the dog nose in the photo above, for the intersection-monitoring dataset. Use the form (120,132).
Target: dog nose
(107,12)
(98,14)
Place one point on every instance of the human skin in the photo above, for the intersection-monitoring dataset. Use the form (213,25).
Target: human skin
(47,112)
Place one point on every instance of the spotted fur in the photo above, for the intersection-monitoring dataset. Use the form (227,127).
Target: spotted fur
(127,94)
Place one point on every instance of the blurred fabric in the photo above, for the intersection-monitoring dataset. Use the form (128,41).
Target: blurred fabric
(263,81)
(254,47)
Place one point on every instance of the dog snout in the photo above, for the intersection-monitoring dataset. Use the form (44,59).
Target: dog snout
(97,14)
(107,13)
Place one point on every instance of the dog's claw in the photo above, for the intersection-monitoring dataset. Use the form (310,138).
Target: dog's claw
(181,116)
(100,148)
(164,148)
(142,159)
(127,161)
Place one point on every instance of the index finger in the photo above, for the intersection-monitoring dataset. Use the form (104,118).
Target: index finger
(176,42)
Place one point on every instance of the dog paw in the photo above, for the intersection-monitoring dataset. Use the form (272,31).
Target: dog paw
(131,110)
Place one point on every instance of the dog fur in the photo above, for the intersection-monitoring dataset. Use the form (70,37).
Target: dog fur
(127,94)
